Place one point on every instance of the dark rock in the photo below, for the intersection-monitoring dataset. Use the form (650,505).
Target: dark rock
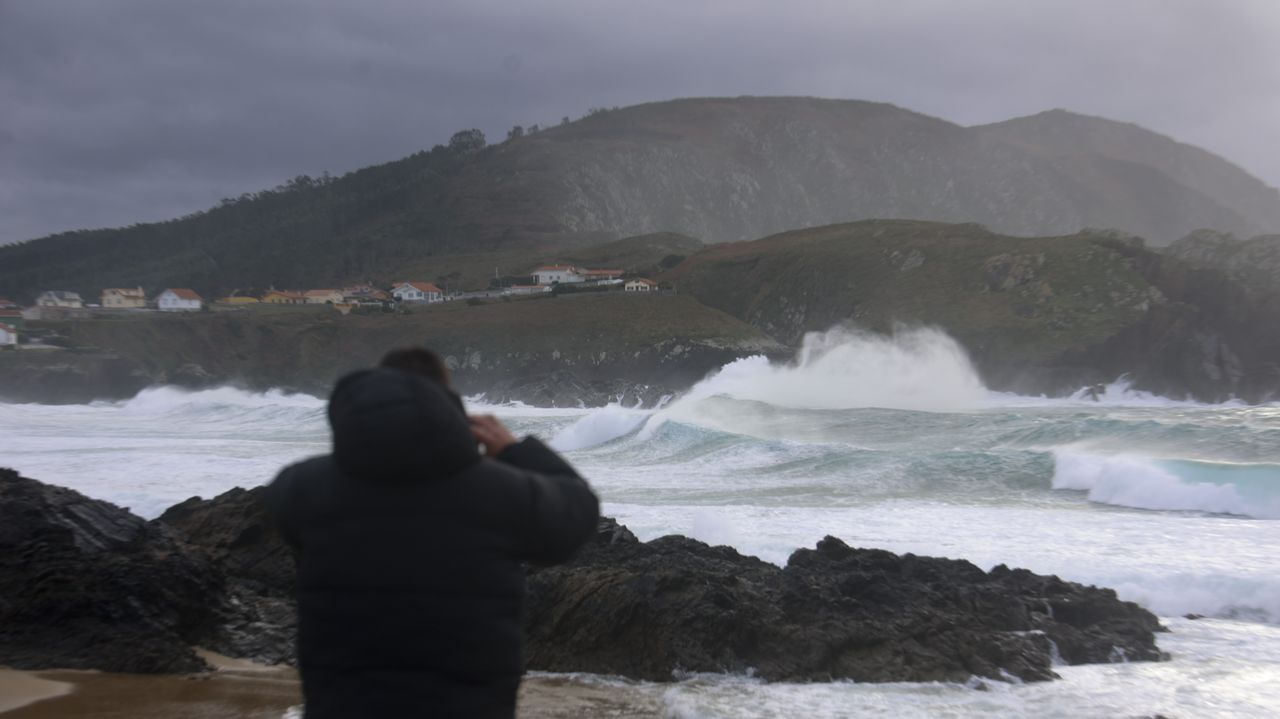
(68,377)
(834,612)
(85,584)
(233,530)
(259,617)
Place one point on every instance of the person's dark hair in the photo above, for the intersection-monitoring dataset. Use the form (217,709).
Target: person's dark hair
(420,361)
(423,362)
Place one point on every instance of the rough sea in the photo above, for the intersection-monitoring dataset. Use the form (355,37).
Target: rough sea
(884,442)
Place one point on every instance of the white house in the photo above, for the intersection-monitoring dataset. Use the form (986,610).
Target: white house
(8,336)
(551,274)
(179,300)
(59,298)
(417,292)
(124,298)
(640,284)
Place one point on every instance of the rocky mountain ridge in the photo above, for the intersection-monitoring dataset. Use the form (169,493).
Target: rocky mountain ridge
(729,169)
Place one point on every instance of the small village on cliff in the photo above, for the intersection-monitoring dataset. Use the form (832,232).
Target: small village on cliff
(65,304)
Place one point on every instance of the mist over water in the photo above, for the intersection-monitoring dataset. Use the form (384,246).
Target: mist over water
(887,442)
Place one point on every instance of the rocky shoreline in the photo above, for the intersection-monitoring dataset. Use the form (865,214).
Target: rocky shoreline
(85,584)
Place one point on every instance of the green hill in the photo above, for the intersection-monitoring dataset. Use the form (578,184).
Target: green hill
(1254,262)
(719,169)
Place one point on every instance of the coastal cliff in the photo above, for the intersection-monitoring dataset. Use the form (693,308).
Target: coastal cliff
(1253,262)
(572,349)
(1045,315)
(1038,315)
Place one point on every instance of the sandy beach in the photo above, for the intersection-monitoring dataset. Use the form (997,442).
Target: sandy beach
(248,694)
(248,691)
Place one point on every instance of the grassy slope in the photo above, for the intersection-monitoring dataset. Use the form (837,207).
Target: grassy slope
(1066,134)
(1076,290)
(632,254)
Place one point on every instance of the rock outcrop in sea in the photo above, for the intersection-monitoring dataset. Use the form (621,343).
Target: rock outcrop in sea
(86,584)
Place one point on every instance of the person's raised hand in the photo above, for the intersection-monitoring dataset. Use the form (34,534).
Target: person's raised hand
(491,433)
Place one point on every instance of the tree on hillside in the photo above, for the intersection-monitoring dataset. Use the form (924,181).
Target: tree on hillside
(445,281)
(515,132)
(465,141)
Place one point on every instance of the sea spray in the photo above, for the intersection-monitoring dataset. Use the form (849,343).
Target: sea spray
(163,399)
(920,369)
(914,369)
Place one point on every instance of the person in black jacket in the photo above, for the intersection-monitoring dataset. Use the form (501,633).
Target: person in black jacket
(410,549)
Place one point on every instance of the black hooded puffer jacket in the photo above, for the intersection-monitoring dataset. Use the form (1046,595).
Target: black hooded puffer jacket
(410,547)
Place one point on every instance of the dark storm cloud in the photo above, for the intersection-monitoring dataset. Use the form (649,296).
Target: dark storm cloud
(134,110)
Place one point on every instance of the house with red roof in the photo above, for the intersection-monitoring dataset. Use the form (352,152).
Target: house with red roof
(12,318)
(417,292)
(179,299)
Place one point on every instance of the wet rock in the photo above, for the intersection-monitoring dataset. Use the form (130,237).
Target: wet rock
(89,585)
(1006,271)
(652,610)
(258,618)
(85,584)
(234,532)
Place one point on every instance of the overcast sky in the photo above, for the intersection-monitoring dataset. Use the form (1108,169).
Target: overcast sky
(121,111)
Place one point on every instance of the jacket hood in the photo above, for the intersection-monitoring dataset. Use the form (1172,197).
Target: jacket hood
(390,424)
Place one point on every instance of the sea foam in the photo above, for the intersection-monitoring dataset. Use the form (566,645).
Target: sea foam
(1251,490)
(599,426)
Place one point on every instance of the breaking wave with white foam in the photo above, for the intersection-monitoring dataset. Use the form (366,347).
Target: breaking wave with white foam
(887,441)
(1250,490)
